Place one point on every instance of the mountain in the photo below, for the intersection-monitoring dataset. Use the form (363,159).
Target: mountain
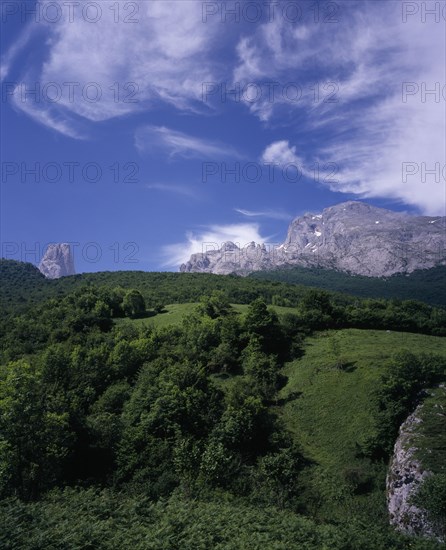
(352,237)
(57,261)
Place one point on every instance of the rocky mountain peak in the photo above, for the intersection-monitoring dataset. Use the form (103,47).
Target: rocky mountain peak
(57,261)
(353,237)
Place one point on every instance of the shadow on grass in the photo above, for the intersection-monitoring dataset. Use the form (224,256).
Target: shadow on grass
(223,375)
(350,366)
(290,397)
(144,315)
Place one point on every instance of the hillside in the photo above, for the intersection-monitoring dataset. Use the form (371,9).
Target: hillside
(426,285)
(22,285)
(201,411)
(330,406)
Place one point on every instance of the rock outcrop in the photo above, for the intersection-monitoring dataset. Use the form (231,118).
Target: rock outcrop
(353,237)
(404,479)
(57,261)
(406,470)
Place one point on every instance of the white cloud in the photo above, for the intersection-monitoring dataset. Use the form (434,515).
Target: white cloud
(164,56)
(369,132)
(211,238)
(390,132)
(282,154)
(271,214)
(177,144)
(395,139)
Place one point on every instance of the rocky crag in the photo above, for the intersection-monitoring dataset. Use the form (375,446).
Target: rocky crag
(353,237)
(403,481)
(405,476)
(57,261)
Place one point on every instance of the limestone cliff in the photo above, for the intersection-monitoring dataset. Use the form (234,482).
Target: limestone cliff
(405,475)
(57,261)
(353,237)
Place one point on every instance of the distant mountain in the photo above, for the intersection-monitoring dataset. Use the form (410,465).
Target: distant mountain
(353,237)
(57,261)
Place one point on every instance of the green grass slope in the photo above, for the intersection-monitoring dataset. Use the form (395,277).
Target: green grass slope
(327,403)
(332,408)
(173,314)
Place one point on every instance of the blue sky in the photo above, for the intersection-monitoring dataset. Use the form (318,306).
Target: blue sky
(160,126)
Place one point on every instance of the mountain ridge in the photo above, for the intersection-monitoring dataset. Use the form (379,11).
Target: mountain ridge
(353,237)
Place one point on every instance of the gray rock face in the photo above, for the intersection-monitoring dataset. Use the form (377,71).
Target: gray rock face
(352,236)
(403,480)
(57,261)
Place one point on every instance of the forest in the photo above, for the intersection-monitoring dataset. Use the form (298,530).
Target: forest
(425,285)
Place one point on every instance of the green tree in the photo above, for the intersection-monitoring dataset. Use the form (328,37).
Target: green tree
(36,439)
(186,460)
(133,303)
(407,374)
(279,474)
(319,300)
(215,305)
(264,326)
(259,320)
(218,465)
(244,427)
(263,368)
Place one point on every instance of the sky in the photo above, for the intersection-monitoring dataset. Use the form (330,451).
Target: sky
(142,131)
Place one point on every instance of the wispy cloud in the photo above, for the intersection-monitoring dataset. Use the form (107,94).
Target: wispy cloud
(271,214)
(49,117)
(8,58)
(368,131)
(351,111)
(211,238)
(182,190)
(354,54)
(162,57)
(150,139)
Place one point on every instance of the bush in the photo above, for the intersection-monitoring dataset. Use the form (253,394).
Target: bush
(432,497)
